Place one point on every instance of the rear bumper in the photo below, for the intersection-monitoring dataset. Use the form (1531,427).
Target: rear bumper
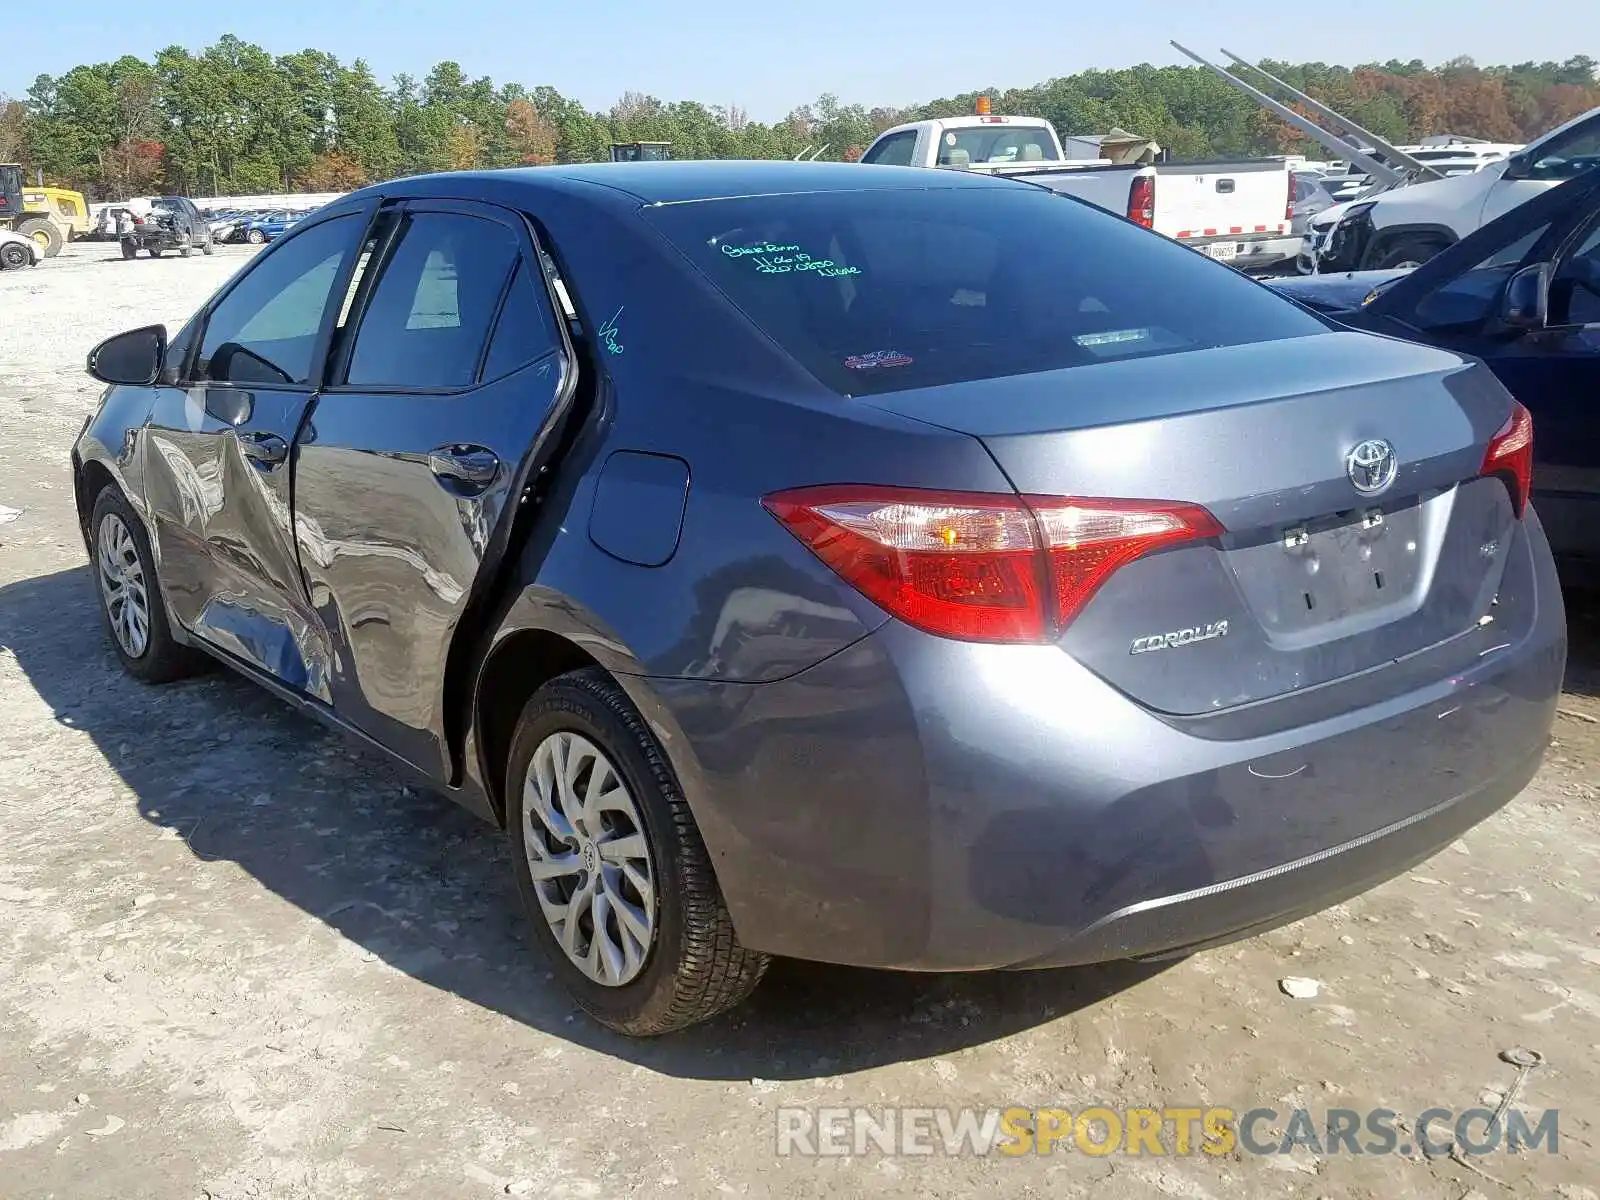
(1210,916)
(1273,252)
(924,804)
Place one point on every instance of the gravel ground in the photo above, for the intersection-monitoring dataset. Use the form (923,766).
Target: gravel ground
(238,960)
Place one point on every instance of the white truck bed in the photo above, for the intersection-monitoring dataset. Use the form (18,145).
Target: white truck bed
(1237,212)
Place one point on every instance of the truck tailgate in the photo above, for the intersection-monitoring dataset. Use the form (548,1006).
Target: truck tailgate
(1103,185)
(1222,204)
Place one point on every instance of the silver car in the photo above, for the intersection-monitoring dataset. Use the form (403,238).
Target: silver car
(904,568)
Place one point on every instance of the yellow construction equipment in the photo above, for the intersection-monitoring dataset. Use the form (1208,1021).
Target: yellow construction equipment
(51,216)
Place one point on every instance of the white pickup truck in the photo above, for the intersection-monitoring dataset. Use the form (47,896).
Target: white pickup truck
(1406,226)
(1238,212)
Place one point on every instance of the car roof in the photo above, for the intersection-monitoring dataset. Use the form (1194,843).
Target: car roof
(699,179)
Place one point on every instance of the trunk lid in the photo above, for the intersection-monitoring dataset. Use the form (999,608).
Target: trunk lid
(1312,581)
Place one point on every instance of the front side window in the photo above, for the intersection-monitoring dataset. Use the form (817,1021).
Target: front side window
(265,330)
(894,150)
(1571,154)
(886,290)
(427,321)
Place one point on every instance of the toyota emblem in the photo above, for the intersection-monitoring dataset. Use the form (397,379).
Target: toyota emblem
(1371,466)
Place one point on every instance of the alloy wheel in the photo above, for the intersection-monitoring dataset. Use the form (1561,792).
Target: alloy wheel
(589,858)
(122,586)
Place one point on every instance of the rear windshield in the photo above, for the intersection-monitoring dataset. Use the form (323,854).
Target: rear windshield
(882,290)
(995,144)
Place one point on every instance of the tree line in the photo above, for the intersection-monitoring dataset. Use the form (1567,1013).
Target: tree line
(235,119)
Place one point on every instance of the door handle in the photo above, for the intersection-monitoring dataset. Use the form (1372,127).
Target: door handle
(469,468)
(264,450)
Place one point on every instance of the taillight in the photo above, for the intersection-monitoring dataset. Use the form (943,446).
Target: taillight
(1288,207)
(1090,540)
(1142,201)
(980,567)
(1510,456)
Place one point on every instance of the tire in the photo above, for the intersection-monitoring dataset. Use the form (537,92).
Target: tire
(255,237)
(129,249)
(1409,250)
(43,232)
(159,658)
(692,966)
(209,246)
(13,255)
(185,250)
(155,251)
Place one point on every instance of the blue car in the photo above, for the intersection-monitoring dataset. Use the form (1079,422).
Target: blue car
(265,228)
(1523,295)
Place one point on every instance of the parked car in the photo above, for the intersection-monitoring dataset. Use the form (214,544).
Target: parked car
(264,227)
(1406,226)
(1522,294)
(223,223)
(170,223)
(105,224)
(19,250)
(866,566)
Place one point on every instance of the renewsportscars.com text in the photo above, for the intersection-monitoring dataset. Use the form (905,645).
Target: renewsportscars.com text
(1101,1130)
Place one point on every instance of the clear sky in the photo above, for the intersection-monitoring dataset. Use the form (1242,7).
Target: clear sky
(757,56)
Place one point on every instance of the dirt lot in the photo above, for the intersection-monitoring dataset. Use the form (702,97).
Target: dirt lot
(238,960)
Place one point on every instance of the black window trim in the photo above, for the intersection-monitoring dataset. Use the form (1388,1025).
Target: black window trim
(319,349)
(1585,223)
(337,366)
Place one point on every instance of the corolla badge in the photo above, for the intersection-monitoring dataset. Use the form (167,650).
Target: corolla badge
(1179,637)
(1371,466)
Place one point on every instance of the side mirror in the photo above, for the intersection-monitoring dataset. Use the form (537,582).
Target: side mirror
(132,358)
(1526,303)
(1516,166)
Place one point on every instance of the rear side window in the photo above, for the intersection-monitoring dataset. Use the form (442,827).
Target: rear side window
(894,150)
(523,332)
(884,290)
(428,319)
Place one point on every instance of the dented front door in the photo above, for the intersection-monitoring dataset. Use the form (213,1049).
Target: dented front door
(218,455)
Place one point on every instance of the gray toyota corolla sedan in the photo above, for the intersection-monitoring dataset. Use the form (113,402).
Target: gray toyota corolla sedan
(891,567)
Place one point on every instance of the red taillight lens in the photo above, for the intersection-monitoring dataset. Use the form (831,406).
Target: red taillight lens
(1288,207)
(1510,456)
(1090,540)
(1142,201)
(958,564)
(975,566)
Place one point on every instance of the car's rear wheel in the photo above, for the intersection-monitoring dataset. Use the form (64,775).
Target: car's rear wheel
(209,245)
(130,599)
(13,255)
(129,249)
(617,882)
(155,251)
